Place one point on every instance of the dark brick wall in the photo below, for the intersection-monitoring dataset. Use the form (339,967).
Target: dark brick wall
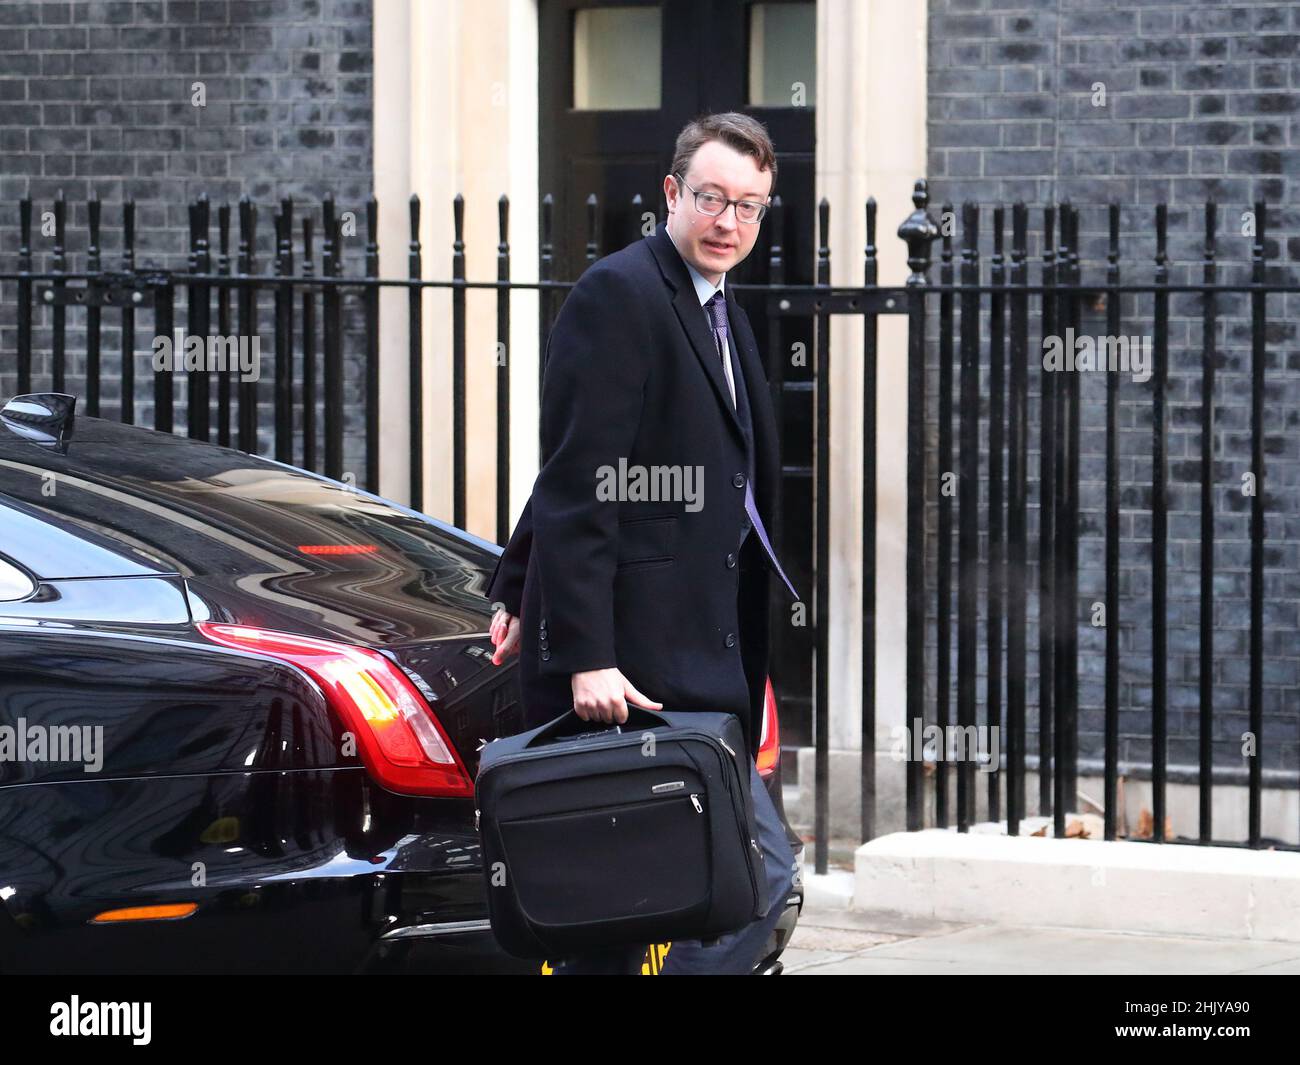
(1203,100)
(96,98)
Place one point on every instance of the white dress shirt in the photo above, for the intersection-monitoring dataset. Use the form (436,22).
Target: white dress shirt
(705,289)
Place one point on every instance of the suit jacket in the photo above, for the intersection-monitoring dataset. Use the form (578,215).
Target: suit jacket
(661,587)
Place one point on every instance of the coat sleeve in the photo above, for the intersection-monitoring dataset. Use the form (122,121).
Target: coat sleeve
(591,408)
(506,585)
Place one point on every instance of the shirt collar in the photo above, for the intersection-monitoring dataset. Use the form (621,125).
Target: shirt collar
(704,289)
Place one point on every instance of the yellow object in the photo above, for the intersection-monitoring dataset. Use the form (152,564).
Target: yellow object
(651,965)
(222,830)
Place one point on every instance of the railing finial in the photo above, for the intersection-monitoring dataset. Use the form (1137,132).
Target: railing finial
(918,230)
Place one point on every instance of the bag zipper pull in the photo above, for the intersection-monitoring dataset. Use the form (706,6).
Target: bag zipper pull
(695,801)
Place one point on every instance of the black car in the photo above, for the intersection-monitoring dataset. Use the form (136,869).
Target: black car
(240,711)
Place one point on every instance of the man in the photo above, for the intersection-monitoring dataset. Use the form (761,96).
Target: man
(638,571)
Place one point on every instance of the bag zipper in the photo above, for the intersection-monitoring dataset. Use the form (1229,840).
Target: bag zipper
(738,814)
(600,811)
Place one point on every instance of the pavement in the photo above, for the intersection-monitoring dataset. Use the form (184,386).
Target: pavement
(833,939)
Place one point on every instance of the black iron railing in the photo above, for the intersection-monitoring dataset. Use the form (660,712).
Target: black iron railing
(1005,577)
(1006,563)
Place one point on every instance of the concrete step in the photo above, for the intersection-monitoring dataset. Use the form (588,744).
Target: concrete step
(984,877)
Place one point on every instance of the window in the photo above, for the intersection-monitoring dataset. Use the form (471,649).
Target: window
(616,58)
(783,55)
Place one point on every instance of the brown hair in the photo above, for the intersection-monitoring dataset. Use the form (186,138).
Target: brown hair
(739,131)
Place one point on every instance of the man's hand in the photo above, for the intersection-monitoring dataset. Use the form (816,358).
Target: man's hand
(504,633)
(603,695)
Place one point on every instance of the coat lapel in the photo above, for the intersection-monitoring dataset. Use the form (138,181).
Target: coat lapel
(694,320)
(761,415)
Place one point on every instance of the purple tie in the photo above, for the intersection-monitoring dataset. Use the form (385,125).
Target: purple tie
(717,308)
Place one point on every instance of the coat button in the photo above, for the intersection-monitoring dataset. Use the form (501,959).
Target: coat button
(730,641)
(546,656)
(544,645)
(739,480)
(731,561)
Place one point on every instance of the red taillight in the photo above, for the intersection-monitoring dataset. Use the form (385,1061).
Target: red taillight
(399,739)
(769,744)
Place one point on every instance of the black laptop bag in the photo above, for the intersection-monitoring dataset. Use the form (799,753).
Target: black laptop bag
(597,835)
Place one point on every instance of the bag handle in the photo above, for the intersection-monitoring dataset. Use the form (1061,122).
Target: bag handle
(567,724)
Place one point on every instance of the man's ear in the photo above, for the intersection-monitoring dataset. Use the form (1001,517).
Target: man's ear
(670,183)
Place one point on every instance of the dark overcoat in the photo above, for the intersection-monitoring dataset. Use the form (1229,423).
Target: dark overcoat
(629,550)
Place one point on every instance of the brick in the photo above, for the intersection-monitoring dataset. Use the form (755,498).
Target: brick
(60,39)
(1218,133)
(1196,77)
(19,14)
(1273,46)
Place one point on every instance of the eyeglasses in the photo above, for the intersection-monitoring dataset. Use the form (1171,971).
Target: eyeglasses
(714,203)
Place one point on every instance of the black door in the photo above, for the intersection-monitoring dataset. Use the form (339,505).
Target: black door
(618,81)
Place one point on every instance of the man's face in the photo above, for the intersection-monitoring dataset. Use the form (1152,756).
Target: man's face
(713,245)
